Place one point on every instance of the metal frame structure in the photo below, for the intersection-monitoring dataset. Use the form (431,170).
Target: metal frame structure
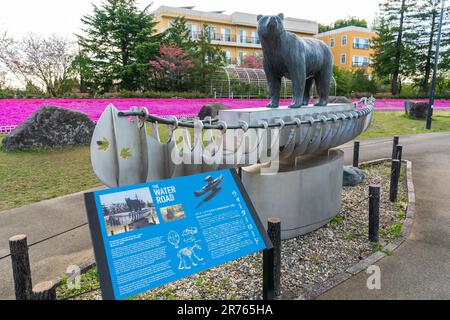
(235,82)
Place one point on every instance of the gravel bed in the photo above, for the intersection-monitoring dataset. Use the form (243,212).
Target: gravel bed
(306,260)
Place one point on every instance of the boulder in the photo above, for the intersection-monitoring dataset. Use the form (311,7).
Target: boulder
(51,127)
(416,109)
(353,176)
(339,99)
(211,110)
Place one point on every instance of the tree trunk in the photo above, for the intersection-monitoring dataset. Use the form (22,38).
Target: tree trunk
(398,53)
(426,78)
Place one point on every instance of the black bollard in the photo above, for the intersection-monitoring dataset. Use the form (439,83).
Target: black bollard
(268,274)
(274,232)
(374,213)
(394,147)
(356,154)
(395,177)
(399,153)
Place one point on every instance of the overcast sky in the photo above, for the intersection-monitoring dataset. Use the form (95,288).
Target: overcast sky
(62,17)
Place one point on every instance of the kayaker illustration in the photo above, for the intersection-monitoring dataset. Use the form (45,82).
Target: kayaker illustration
(212,188)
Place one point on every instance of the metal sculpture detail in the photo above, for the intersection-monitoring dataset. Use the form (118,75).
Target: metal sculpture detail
(150,159)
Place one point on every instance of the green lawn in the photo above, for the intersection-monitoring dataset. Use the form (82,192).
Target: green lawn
(396,123)
(32,176)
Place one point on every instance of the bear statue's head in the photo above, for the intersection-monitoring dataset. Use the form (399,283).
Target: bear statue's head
(270,25)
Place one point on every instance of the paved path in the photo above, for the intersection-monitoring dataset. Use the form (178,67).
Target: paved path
(40,221)
(419,269)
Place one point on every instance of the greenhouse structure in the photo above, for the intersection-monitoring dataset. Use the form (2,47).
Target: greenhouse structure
(246,83)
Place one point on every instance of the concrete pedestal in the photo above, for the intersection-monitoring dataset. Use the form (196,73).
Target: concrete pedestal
(305,197)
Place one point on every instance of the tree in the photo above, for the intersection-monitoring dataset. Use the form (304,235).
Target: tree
(178,34)
(393,56)
(171,69)
(39,63)
(119,42)
(426,22)
(342,23)
(207,59)
(252,61)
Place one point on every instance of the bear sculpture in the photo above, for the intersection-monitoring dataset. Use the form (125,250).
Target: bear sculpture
(301,60)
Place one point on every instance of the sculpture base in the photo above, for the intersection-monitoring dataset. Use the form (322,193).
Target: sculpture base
(305,197)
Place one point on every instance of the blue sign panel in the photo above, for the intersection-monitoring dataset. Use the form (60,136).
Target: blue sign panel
(147,235)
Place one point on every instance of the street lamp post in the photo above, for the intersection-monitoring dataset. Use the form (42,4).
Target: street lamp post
(436,61)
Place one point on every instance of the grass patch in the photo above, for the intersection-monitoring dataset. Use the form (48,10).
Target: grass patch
(396,123)
(32,176)
(336,221)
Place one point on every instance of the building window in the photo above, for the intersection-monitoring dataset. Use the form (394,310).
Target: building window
(360,61)
(226,34)
(343,58)
(212,33)
(241,57)
(193,31)
(361,43)
(344,41)
(242,36)
(332,43)
(255,37)
(228,56)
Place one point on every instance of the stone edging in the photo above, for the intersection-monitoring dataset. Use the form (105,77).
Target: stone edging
(320,289)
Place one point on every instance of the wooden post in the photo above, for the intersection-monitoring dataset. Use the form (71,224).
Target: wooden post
(356,154)
(274,231)
(268,280)
(44,291)
(399,153)
(374,213)
(394,147)
(395,177)
(21,266)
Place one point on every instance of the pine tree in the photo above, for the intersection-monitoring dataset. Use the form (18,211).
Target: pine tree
(207,59)
(426,22)
(392,52)
(119,42)
(178,35)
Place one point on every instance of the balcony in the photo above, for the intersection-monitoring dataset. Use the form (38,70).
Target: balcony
(229,39)
(364,46)
(360,64)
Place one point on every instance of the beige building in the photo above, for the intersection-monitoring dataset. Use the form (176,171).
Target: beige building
(236,33)
(350,47)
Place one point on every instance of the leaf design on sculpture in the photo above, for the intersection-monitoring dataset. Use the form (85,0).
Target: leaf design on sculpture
(103,145)
(125,153)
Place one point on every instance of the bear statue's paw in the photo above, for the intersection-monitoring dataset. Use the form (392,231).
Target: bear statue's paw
(321,104)
(272,106)
(295,106)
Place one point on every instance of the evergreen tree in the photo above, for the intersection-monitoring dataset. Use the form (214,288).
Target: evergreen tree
(178,35)
(393,57)
(426,21)
(342,23)
(207,59)
(119,42)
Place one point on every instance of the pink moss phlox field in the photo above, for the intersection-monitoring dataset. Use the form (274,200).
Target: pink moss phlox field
(15,111)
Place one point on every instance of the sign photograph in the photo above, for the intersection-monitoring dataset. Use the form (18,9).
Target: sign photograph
(151,234)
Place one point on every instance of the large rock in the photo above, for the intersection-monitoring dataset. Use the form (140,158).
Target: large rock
(51,127)
(211,110)
(353,176)
(416,109)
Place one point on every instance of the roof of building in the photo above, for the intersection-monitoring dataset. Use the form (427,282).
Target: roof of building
(239,18)
(345,29)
